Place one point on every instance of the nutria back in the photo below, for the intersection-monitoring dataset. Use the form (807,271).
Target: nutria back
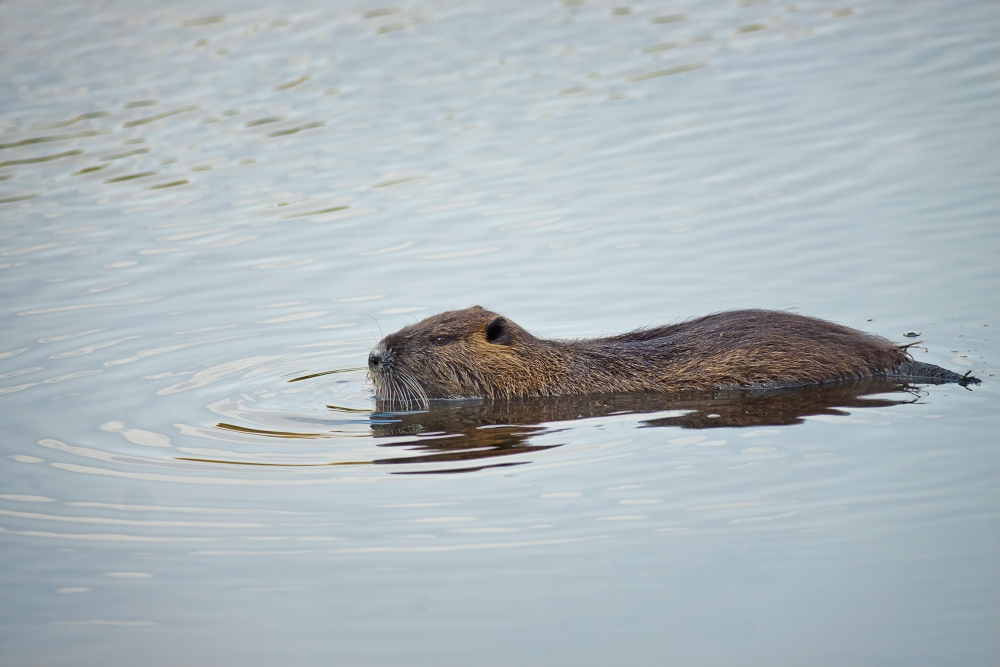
(479,353)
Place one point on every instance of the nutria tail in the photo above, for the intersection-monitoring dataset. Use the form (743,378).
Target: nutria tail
(918,371)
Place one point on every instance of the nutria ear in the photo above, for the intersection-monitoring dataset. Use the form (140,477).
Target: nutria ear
(497,332)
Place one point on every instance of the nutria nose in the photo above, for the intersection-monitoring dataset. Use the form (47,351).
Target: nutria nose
(374,359)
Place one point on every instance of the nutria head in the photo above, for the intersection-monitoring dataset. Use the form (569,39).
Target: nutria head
(457,354)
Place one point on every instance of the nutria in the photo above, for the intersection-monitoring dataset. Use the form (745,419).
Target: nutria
(477,353)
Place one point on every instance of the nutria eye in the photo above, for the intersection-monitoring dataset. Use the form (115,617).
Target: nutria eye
(442,340)
(497,332)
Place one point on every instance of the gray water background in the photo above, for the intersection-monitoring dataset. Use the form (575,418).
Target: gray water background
(204,201)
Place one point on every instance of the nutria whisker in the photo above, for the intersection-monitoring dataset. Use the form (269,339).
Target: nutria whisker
(477,353)
(415,393)
(378,325)
(398,387)
(399,392)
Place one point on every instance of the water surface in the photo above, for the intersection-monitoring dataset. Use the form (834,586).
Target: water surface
(210,212)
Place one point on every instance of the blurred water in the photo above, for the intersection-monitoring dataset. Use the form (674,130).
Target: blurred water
(206,207)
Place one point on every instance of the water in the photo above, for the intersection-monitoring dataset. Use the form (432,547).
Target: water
(207,207)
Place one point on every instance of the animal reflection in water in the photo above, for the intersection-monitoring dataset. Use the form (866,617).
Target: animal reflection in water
(475,431)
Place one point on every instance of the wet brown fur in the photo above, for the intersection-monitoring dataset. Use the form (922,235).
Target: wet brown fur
(740,348)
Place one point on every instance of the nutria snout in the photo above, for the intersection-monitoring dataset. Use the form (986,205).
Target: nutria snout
(478,353)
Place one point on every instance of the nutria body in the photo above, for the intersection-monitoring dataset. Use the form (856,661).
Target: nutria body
(478,353)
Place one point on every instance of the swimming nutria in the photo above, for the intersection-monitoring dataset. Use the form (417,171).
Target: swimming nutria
(477,353)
